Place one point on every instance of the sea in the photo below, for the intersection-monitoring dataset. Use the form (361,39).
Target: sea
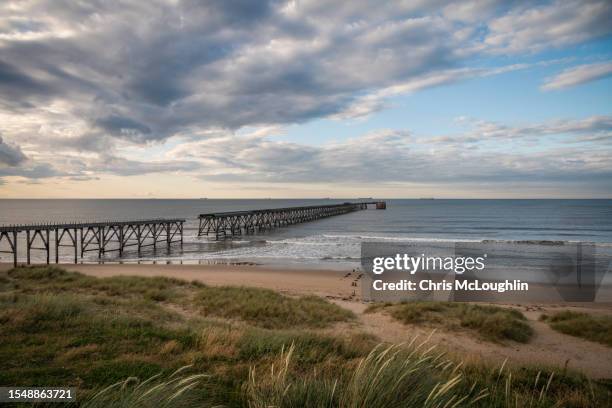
(328,243)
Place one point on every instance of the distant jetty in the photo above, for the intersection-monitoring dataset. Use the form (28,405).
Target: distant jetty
(233,223)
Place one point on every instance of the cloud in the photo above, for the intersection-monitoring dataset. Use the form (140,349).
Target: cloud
(85,169)
(147,72)
(578,75)
(373,102)
(32,172)
(550,152)
(10,155)
(594,128)
(124,167)
(123,127)
(551,24)
(570,151)
(83,85)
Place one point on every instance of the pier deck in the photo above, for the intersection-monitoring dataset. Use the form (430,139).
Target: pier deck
(236,223)
(100,236)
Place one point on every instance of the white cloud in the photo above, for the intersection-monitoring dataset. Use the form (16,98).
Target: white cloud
(551,151)
(375,101)
(553,24)
(578,75)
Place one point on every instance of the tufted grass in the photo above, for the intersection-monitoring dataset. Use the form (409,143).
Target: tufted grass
(587,326)
(491,323)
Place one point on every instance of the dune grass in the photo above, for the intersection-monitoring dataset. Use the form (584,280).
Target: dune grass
(489,322)
(62,327)
(175,391)
(416,375)
(269,309)
(587,326)
(121,347)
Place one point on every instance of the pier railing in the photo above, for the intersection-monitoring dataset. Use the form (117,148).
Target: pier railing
(236,223)
(99,236)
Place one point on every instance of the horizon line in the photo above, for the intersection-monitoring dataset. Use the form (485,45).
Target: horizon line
(308,198)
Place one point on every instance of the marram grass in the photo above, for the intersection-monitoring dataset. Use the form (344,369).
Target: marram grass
(591,327)
(404,375)
(177,391)
(492,323)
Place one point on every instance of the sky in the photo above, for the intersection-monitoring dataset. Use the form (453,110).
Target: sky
(305,99)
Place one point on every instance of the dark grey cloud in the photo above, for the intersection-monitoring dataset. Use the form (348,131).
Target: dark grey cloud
(35,172)
(15,84)
(10,155)
(87,169)
(123,127)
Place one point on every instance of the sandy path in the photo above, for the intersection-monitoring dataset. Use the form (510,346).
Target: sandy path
(547,347)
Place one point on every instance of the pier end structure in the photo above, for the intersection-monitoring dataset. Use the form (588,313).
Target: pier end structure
(235,223)
(99,237)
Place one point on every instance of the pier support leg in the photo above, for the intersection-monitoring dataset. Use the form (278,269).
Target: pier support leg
(75,246)
(57,246)
(120,241)
(48,247)
(29,244)
(139,235)
(14,246)
(100,242)
(82,244)
(168,236)
(11,237)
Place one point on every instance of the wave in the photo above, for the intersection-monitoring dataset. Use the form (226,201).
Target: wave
(400,239)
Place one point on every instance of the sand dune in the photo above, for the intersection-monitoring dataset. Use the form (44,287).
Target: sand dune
(547,347)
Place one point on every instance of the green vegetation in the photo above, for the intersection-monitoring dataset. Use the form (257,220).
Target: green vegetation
(591,327)
(122,340)
(490,322)
(415,375)
(61,327)
(269,309)
(175,391)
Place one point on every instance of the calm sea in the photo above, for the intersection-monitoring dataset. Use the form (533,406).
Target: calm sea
(334,241)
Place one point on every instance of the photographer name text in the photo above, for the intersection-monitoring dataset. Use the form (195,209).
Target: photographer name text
(430,285)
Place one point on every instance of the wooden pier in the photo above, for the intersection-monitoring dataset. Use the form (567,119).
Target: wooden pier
(99,237)
(236,223)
